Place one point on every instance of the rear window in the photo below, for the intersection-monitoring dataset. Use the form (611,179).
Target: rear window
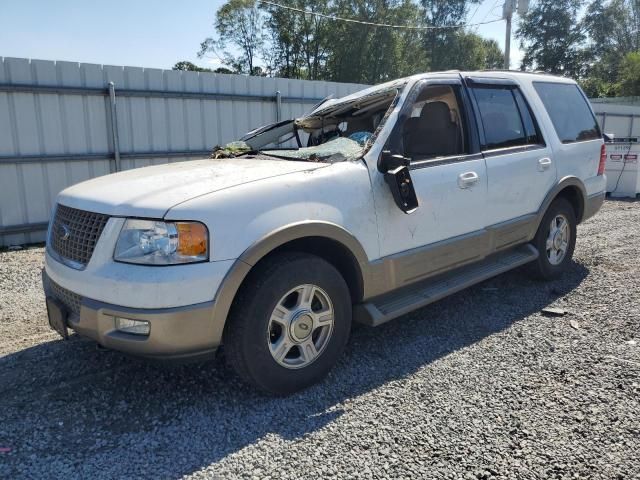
(569,111)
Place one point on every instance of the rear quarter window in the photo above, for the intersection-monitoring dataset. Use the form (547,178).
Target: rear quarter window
(569,111)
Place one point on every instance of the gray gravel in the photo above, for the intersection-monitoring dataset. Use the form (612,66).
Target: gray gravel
(480,385)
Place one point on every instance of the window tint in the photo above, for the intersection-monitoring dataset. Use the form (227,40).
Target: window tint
(501,119)
(569,111)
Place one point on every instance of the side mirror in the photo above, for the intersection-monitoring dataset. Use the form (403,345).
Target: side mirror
(401,185)
(391,161)
(396,174)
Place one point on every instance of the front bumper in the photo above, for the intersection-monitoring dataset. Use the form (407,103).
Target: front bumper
(175,333)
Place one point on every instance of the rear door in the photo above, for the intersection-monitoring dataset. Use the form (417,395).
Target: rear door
(578,142)
(520,164)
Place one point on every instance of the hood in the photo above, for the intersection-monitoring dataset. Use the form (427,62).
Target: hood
(151,191)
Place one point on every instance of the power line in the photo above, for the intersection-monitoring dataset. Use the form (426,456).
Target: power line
(373,24)
(475,11)
(491,9)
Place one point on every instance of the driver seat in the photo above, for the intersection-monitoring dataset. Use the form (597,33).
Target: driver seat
(432,134)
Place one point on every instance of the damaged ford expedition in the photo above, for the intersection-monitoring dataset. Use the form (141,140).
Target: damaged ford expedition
(366,208)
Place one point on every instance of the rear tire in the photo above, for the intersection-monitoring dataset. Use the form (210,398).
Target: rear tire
(289,323)
(555,240)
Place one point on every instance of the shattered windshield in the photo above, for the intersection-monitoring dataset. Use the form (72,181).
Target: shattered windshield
(338,149)
(340,130)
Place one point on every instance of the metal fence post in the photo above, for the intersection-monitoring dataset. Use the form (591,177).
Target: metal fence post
(278,106)
(114,126)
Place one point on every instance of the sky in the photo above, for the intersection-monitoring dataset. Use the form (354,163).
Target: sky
(141,33)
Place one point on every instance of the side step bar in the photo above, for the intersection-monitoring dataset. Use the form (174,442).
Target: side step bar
(417,295)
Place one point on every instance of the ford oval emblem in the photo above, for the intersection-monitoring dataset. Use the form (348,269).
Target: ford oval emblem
(64,232)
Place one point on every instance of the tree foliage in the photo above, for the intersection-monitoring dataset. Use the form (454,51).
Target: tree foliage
(629,78)
(299,45)
(597,42)
(187,66)
(442,45)
(239,24)
(364,54)
(613,30)
(552,37)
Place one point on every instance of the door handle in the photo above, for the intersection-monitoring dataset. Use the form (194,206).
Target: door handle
(467,179)
(544,164)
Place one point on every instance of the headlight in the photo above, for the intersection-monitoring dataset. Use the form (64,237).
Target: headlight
(152,242)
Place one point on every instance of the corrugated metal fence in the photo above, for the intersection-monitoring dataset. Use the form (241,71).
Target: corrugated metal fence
(621,120)
(64,122)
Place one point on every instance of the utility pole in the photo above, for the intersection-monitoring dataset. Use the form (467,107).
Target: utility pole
(507,13)
(507,42)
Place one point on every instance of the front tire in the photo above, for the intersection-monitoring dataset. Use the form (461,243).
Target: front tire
(289,323)
(555,240)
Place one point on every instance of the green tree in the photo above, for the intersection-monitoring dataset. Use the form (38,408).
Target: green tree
(552,37)
(613,32)
(630,75)
(493,55)
(298,44)
(595,87)
(369,54)
(469,51)
(239,24)
(440,44)
(223,70)
(284,53)
(187,66)
(610,27)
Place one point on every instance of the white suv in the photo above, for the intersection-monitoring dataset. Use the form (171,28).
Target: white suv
(368,207)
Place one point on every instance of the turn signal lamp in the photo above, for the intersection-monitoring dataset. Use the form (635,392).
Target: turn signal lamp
(192,239)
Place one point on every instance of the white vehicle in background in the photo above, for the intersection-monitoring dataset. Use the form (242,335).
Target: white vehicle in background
(392,198)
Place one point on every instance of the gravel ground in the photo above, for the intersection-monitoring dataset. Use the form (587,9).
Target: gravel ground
(479,385)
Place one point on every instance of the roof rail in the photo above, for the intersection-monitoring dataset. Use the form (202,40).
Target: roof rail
(531,72)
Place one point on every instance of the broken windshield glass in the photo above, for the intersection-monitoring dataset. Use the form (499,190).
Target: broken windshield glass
(339,149)
(338,130)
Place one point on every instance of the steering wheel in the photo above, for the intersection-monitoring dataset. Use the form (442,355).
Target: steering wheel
(326,136)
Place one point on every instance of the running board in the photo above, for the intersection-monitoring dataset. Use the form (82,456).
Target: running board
(417,295)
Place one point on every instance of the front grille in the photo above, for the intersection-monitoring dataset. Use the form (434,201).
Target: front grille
(74,233)
(69,299)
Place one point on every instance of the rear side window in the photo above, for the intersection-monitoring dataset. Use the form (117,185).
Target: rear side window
(569,111)
(506,118)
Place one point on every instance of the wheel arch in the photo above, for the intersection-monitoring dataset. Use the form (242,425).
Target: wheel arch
(573,190)
(326,240)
